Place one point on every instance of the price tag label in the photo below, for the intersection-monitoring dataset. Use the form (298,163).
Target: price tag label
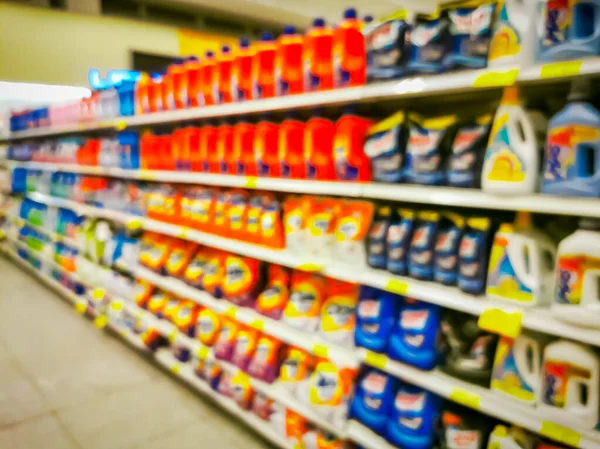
(496,78)
(376,360)
(121,125)
(560,69)
(230,312)
(172,336)
(101,321)
(203,352)
(175,368)
(258,324)
(465,398)
(182,233)
(560,433)
(501,322)
(147,175)
(81,306)
(116,305)
(98,294)
(397,286)
(134,225)
(310,267)
(250,182)
(320,350)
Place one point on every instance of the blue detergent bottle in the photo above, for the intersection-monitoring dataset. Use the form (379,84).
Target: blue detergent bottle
(413,419)
(445,258)
(415,336)
(420,254)
(570,29)
(473,255)
(129,150)
(572,159)
(429,41)
(399,237)
(376,238)
(375,316)
(373,399)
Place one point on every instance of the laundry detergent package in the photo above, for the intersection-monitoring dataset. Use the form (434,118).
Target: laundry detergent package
(422,245)
(320,226)
(186,317)
(307,295)
(295,369)
(414,339)
(272,301)
(338,317)
(243,280)
(386,52)
(374,399)
(377,238)
(208,326)
(473,255)
(267,357)
(429,41)
(225,341)
(413,418)
(471,30)
(445,257)
(385,146)
(157,303)
(351,227)
(428,147)
(181,254)
(171,308)
(375,317)
(271,223)
(295,216)
(468,151)
(194,272)
(236,210)
(262,406)
(399,236)
(244,347)
(460,425)
(214,274)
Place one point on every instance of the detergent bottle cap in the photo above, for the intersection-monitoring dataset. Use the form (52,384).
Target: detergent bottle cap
(368,19)
(318,22)
(244,43)
(266,37)
(350,13)
(209,54)
(289,30)
(523,220)
(510,95)
(580,90)
(225,49)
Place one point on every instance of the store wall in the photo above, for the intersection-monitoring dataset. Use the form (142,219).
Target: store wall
(56,47)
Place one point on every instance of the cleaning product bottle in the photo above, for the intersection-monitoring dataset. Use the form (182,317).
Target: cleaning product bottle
(399,236)
(318,57)
(517,367)
(414,339)
(267,356)
(208,326)
(385,145)
(291,148)
(351,162)
(569,30)
(338,312)
(244,347)
(576,293)
(295,369)
(422,245)
(224,345)
(266,139)
(473,255)
(513,39)
(207,146)
(224,73)
(192,73)
(521,266)
(445,258)
(242,280)
(223,152)
(349,53)
(570,378)
(510,438)
(307,296)
(413,418)
(236,210)
(429,41)
(377,237)
(208,80)
(263,67)
(289,76)
(511,163)
(271,226)
(375,316)
(318,148)
(272,301)
(461,427)
(374,399)
(243,148)
(386,47)
(351,228)
(241,77)
(572,163)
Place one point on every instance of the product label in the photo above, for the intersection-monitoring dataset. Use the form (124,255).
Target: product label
(556,376)
(370,308)
(462,439)
(206,326)
(347,229)
(409,402)
(422,147)
(503,280)
(570,276)
(413,319)
(375,383)
(561,150)
(502,163)
(475,22)
(425,33)
(505,41)
(383,36)
(557,21)
(506,376)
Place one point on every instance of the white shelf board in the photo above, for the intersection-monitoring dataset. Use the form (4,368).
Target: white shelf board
(364,436)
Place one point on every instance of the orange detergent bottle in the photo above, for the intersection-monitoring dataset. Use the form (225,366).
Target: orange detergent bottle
(349,53)
(318,57)
(288,63)
(181,149)
(318,148)
(227,165)
(351,162)
(265,147)
(208,80)
(224,69)
(191,140)
(208,146)
(263,67)
(243,148)
(148,151)
(291,148)
(192,73)
(271,224)
(155,88)
(242,72)
(166,159)
(179,84)
(142,102)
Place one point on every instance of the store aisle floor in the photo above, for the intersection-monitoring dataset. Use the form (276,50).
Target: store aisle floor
(65,385)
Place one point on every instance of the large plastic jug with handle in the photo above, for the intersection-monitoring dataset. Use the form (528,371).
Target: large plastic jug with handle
(567,29)
(521,266)
(263,67)
(243,147)
(208,80)
(224,74)
(318,148)
(318,57)
(291,148)
(289,77)
(266,137)
(241,78)
(351,162)
(349,52)
(375,316)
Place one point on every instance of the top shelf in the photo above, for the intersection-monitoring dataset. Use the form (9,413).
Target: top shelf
(419,86)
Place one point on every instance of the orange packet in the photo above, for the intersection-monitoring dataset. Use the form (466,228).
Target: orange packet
(271,223)
(181,254)
(352,226)
(236,209)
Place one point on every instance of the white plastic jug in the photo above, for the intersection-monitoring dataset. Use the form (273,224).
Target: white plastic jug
(577,284)
(510,438)
(570,385)
(512,158)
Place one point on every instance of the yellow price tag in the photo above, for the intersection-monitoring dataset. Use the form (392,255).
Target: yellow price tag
(560,69)
(98,294)
(101,321)
(230,312)
(320,350)
(81,306)
(501,322)
(172,336)
(310,267)
(376,360)
(134,225)
(175,368)
(465,397)
(2,234)
(116,305)
(560,433)
(146,175)
(203,352)
(241,378)
(121,125)
(396,286)
(250,182)
(182,233)
(496,78)
(258,324)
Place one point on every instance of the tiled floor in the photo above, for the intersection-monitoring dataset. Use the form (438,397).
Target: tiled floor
(65,385)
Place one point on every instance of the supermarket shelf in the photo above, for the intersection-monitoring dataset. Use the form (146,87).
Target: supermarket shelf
(18,221)
(439,196)
(551,72)
(364,436)
(541,320)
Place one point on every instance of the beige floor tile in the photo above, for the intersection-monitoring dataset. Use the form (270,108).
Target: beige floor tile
(43,432)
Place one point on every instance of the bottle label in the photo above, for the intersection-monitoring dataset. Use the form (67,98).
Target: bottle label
(561,151)
(506,376)
(570,275)
(503,281)
(557,21)
(556,376)
(504,164)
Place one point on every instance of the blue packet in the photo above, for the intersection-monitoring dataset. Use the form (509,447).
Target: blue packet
(376,238)
(420,255)
(386,48)
(385,146)
(445,259)
(428,43)
(399,237)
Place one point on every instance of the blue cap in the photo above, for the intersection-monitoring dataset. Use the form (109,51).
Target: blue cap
(368,19)
(289,30)
(350,13)
(192,58)
(209,54)
(319,22)
(225,49)
(244,43)
(266,37)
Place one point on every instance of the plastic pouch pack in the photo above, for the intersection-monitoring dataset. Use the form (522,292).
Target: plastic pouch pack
(307,295)
(386,48)
(385,145)
(273,300)
(399,237)
(338,312)
(428,43)
(377,238)
(445,258)
(351,228)
(242,280)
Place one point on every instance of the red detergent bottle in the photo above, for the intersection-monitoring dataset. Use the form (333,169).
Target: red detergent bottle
(291,148)
(155,103)
(142,102)
(224,71)
(166,91)
(318,148)
(289,77)
(208,79)
(208,146)
(224,149)
(243,148)
(242,72)
(351,162)
(192,73)
(263,67)
(266,140)
(192,140)
(179,84)
(349,52)
(166,157)
(318,57)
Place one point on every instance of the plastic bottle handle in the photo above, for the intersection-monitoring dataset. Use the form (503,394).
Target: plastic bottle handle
(521,116)
(590,288)
(532,377)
